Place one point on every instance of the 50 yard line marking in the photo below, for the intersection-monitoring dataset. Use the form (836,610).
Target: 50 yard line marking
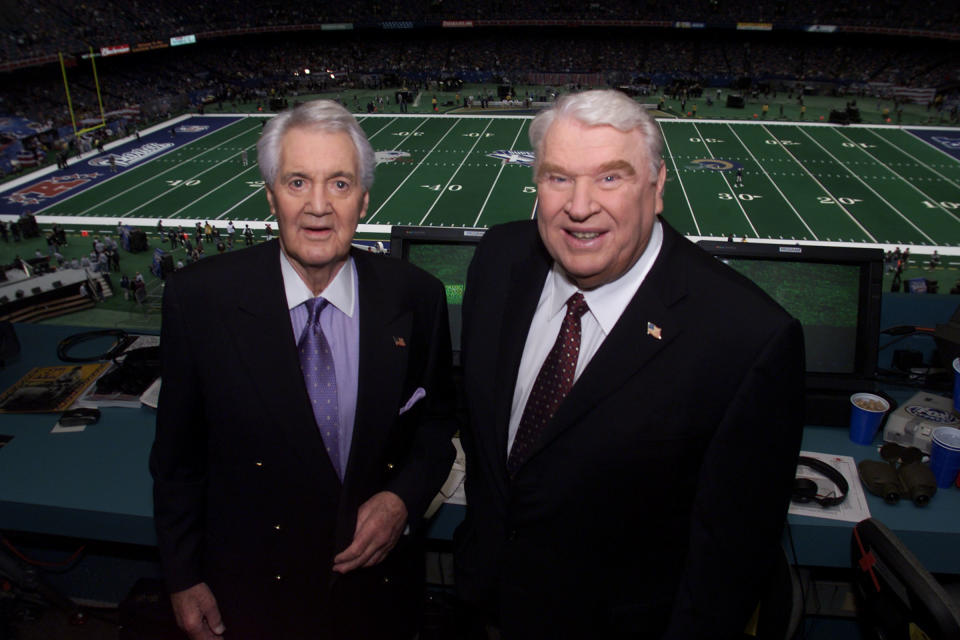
(500,171)
(454,175)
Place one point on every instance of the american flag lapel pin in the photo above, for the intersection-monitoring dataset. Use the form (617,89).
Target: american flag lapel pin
(399,341)
(654,330)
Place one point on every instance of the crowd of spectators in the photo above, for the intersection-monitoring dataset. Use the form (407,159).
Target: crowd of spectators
(233,70)
(34,29)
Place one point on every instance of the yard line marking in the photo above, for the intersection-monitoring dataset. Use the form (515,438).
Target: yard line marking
(825,190)
(900,177)
(221,186)
(255,192)
(850,171)
(727,182)
(773,182)
(500,171)
(155,176)
(378,131)
(175,187)
(422,160)
(915,159)
(676,171)
(454,175)
(410,137)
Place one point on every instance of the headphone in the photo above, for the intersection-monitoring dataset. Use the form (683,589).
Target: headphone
(805,489)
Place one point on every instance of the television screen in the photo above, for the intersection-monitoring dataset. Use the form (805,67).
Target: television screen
(835,293)
(446,253)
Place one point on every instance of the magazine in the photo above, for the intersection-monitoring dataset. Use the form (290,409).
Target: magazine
(50,389)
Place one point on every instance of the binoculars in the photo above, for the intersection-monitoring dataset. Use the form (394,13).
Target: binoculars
(902,474)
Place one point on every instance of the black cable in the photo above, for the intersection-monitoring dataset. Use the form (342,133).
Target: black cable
(122,341)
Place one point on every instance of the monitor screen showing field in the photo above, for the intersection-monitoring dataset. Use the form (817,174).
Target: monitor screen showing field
(823,297)
(449,263)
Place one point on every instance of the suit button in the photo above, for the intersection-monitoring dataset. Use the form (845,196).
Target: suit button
(386,579)
(277,578)
(389,466)
(276,527)
(258,463)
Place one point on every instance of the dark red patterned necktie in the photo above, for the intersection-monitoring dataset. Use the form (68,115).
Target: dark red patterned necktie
(552,384)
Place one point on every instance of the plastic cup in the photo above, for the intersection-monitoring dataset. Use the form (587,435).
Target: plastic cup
(866,414)
(956,385)
(945,455)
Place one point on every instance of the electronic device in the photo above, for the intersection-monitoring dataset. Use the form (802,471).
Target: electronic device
(79,417)
(806,490)
(446,253)
(835,293)
(912,424)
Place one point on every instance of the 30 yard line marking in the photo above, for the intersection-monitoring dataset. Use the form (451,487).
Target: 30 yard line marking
(775,185)
(727,182)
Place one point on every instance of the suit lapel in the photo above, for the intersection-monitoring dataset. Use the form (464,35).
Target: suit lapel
(630,345)
(385,332)
(526,283)
(264,339)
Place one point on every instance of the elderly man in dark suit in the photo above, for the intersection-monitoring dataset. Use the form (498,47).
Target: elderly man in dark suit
(305,420)
(634,405)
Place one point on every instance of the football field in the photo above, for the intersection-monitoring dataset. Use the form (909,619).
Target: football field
(877,186)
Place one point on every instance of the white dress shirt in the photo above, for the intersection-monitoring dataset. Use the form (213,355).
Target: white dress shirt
(607,303)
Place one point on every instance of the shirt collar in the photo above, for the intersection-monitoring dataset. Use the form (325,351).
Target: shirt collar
(339,293)
(607,302)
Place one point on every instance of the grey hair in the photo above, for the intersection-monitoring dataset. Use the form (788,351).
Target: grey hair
(596,108)
(322,115)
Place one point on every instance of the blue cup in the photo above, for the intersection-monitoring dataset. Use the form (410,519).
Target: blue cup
(866,414)
(956,385)
(945,455)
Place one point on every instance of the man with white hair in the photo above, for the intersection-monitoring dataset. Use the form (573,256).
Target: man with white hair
(635,406)
(305,415)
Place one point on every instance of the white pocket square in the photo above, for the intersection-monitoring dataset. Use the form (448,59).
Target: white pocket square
(419,394)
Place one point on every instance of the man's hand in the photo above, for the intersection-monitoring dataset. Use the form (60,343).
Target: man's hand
(380,521)
(197,613)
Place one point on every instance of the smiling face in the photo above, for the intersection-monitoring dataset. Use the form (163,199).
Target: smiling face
(318,200)
(597,201)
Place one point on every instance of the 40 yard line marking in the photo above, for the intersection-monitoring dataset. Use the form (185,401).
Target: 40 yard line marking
(462,162)
(676,171)
(422,160)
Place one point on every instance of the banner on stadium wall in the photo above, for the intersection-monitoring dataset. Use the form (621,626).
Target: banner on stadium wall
(176,41)
(689,25)
(754,26)
(337,26)
(457,24)
(821,28)
(114,50)
(150,46)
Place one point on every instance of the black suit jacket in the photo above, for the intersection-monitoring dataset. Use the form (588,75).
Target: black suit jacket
(245,497)
(653,501)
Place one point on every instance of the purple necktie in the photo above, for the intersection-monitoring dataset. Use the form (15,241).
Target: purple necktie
(552,384)
(319,374)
